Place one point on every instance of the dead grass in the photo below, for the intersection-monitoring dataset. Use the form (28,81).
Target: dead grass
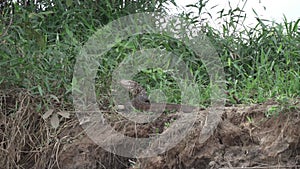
(26,139)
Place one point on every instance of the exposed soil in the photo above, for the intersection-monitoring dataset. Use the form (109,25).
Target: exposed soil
(246,137)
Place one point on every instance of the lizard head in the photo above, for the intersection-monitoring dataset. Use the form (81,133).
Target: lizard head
(135,89)
(129,84)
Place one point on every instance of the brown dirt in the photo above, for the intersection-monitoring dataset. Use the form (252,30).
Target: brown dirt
(244,138)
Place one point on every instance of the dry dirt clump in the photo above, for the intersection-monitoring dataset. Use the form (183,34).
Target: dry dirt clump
(239,142)
(244,138)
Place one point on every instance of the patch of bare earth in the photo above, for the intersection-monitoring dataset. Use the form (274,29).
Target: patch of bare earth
(244,138)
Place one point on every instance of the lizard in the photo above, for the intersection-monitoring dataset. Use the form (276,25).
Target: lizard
(141,101)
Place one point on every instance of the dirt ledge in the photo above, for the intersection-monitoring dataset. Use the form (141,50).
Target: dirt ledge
(244,138)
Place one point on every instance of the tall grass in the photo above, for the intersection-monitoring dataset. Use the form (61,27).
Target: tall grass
(39,51)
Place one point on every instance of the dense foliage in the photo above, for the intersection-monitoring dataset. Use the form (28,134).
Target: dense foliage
(40,40)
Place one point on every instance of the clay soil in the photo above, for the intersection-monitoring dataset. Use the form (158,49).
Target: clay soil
(263,135)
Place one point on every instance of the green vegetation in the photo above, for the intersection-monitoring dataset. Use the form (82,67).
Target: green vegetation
(40,42)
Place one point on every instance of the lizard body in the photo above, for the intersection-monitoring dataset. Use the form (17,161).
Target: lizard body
(141,101)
